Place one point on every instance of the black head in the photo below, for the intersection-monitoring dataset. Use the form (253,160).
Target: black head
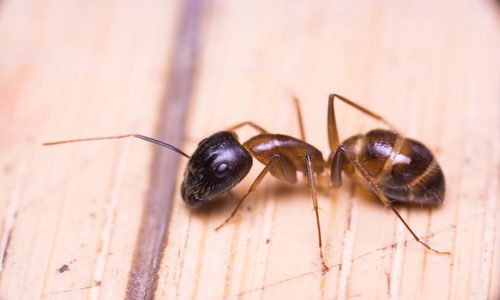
(216,166)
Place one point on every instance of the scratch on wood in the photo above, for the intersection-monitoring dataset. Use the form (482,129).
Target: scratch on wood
(347,248)
(199,260)
(5,251)
(283,281)
(10,218)
(96,284)
(388,278)
(100,264)
(451,271)
(397,261)
(181,258)
(423,275)
(229,268)
(489,234)
(338,266)
(269,216)
(151,240)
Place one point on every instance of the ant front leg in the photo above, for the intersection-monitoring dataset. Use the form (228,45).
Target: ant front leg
(252,188)
(299,118)
(260,129)
(376,189)
(248,123)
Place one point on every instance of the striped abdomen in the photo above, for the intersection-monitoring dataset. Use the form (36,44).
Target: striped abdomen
(404,169)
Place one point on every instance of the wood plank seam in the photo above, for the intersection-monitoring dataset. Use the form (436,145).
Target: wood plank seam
(143,276)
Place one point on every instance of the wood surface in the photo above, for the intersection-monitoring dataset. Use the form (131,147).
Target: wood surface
(90,220)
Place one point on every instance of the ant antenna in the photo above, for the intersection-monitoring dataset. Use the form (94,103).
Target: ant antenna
(139,136)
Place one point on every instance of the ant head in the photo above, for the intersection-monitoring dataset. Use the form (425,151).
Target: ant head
(216,166)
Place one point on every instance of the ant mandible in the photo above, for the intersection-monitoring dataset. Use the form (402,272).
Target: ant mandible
(395,168)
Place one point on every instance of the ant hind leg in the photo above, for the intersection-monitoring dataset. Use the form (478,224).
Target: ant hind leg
(387,202)
(364,110)
(333,136)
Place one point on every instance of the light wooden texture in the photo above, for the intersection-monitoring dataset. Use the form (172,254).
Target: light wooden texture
(71,69)
(76,69)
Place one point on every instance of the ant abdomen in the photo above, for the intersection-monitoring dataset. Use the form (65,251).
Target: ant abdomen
(216,166)
(403,168)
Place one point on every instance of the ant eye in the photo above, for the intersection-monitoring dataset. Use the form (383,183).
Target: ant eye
(221,170)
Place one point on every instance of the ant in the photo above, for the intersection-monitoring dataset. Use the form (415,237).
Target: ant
(395,168)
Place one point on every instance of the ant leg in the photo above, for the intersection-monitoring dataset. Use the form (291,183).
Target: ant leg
(254,185)
(262,130)
(333,136)
(139,136)
(312,187)
(383,198)
(299,118)
(248,123)
(366,111)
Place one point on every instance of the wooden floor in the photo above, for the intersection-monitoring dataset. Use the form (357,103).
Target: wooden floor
(106,220)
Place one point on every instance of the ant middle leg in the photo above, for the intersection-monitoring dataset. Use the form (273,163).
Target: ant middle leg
(343,154)
(314,197)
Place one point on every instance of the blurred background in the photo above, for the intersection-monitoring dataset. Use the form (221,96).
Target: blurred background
(106,220)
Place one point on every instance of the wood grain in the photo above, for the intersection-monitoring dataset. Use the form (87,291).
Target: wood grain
(70,216)
(151,240)
(71,69)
